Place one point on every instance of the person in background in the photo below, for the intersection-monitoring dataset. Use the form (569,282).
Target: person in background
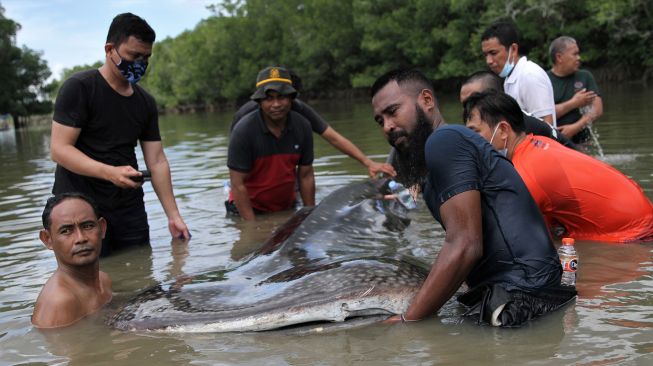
(485,80)
(99,116)
(576,95)
(73,230)
(525,81)
(588,198)
(322,128)
(270,149)
(496,239)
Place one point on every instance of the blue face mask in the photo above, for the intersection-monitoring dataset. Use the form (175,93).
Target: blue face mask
(503,151)
(508,66)
(133,71)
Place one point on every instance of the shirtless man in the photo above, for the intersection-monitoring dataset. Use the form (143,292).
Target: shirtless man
(74,230)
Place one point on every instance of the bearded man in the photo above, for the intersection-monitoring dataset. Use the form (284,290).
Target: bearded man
(496,239)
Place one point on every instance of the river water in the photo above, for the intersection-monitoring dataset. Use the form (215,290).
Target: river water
(610,323)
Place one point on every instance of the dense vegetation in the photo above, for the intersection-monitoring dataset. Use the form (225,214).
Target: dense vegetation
(345,44)
(23,75)
(340,45)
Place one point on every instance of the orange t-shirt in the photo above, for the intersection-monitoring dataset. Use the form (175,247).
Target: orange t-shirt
(591,199)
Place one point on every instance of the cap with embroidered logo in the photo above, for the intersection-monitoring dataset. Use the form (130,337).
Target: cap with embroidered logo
(273,78)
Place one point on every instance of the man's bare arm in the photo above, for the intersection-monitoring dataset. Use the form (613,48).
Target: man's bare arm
(241,196)
(347,147)
(157,163)
(581,98)
(462,248)
(307,184)
(56,308)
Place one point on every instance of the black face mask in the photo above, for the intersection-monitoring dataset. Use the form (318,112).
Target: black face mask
(411,159)
(133,71)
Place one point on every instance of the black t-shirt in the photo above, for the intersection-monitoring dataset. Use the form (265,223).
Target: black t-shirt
(318,124)
(517,250)
(538,127)
(111,125)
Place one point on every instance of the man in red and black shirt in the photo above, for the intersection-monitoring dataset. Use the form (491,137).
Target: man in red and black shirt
(270,150)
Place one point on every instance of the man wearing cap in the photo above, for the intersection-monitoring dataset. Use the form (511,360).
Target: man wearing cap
(270,150)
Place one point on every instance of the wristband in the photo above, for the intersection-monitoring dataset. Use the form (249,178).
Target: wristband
(404,320)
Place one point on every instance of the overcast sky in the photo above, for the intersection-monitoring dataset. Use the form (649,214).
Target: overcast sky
(73,32)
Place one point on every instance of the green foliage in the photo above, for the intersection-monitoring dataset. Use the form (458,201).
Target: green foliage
(22,75)
(338,45)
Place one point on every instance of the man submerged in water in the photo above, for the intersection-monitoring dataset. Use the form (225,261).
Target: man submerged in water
(74,230)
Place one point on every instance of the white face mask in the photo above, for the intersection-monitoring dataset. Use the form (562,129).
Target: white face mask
(508,66)
(503,151)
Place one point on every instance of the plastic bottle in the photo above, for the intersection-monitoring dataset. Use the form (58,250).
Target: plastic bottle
(226,187)
(403,195)
(569,261)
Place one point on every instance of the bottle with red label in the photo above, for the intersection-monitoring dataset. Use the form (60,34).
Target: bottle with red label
(569,261)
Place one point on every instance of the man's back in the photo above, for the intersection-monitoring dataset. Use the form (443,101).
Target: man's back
(591,199)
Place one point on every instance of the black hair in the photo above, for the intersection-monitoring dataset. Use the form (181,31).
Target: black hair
(405,78)
(57,199)
(494,107)
(488,79)
(127,24)
(559,45)
(506,32)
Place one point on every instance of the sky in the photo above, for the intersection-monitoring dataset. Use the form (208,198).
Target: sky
(73,32)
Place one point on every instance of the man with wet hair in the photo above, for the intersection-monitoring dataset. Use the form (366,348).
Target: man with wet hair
(270,150)
(322,128)
(496,239)
(485,80)
(575,92)
(99,116)
(588,198)
(73,230)
(525,81)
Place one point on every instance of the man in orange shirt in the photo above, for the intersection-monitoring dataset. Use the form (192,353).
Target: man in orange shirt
(590,199)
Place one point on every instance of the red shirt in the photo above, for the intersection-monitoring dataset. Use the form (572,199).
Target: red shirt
(270,161)
(591,199)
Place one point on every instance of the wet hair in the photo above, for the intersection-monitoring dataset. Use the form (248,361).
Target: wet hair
(506,32)
(57,199)
(558,46)
(127,24)
(494,107)
(488,80)
(411,79)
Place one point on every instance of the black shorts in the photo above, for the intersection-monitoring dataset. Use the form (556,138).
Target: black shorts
(494,305)
(126,227)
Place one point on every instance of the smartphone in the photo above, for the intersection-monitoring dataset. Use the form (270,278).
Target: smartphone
(142,178)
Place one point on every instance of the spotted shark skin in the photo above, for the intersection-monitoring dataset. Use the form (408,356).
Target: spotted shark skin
(308,271)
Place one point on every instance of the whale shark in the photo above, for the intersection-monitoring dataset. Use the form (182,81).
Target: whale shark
(319,267)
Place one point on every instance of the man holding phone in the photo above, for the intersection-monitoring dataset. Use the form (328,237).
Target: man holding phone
(99,117)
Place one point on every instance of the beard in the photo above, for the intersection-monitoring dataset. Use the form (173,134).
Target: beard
(410,152)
